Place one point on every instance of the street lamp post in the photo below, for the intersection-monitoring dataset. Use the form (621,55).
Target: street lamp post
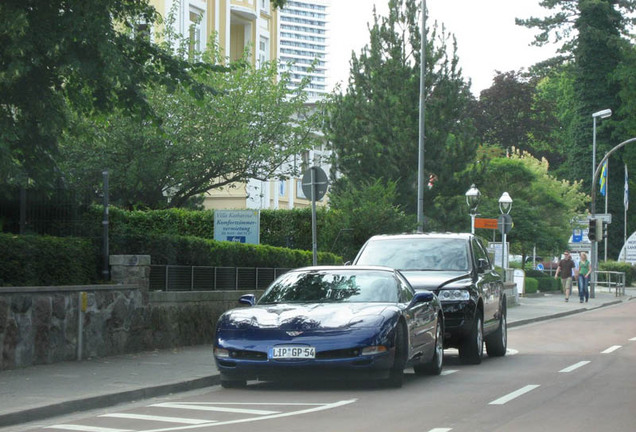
(505,205)
(594,246)
(472,200)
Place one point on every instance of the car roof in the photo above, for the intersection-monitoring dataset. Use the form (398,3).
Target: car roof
(347,268)
(449,235)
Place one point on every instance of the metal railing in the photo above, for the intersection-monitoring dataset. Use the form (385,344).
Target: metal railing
(200,278)
(611,280)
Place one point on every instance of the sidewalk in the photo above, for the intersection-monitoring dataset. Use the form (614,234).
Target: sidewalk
(44,391)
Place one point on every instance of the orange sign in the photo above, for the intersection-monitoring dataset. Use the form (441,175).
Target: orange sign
(486,223)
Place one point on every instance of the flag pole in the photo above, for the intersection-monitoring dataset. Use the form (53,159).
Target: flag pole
(606,196)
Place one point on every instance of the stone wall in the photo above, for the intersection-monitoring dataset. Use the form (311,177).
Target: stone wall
(40,325)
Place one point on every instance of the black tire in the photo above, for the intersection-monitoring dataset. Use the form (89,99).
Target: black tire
(436,364)
(396,374)
(497,343)
(233,383)
(471,349)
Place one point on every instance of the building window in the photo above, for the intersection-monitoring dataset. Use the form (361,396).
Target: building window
(281,187)
(265,6)
(263,50)
(195,33)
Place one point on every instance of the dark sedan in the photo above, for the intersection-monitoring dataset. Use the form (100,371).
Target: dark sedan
(331,322)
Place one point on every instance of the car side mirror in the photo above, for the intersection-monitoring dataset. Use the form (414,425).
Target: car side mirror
(482,265)
(248,299)
(422,297)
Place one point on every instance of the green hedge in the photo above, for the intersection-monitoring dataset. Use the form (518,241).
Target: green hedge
(618,266)
(180,250)
(282,228)
(31,260)
(531,285)
(548,284)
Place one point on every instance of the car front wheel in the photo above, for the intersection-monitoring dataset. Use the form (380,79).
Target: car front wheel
(471,348)
(497,343)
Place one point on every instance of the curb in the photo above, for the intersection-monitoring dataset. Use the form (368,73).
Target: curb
(563,314)
(104,401)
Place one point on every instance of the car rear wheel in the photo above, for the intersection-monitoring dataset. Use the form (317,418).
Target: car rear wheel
(471,349)
(497,343)
(434,367)
(396,374)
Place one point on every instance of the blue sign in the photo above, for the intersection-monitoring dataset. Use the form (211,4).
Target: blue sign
(241,226)
(540,267)
(577,235)
(237,239)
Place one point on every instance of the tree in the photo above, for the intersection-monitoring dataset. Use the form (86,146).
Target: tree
(595,34)
(357,213)
(249,126)
(510,114)
(82,55)
(543,206)
(373,125)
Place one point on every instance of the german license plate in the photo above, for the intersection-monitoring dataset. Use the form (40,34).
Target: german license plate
(293,352)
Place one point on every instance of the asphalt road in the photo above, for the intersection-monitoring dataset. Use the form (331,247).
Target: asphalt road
(570,374)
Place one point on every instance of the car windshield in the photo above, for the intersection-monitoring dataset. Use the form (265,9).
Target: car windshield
(416,254)
(320,286)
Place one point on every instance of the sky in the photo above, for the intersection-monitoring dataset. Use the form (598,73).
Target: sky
(488,38)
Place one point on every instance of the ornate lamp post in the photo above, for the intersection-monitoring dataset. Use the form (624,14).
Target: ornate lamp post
(472,200)
(505,205)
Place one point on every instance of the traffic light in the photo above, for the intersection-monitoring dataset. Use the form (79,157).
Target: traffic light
(604,231)
(591,231)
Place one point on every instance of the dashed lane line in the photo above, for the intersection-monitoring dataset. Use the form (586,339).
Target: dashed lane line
(574,366)
(514,395)
(448,372)
(612,349)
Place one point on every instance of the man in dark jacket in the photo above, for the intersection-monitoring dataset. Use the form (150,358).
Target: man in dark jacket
(566,269)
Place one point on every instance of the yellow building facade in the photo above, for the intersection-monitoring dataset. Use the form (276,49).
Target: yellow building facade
(238,25)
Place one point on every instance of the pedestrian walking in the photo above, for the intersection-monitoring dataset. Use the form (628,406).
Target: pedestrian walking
(565,268)
(585,269)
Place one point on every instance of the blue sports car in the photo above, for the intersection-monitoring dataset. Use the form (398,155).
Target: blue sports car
(331,322)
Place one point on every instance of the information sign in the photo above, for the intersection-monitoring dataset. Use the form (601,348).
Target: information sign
(241,226)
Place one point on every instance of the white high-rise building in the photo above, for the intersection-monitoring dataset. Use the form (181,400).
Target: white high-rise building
(303,43)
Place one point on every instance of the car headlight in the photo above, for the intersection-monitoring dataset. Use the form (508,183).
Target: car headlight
(454,295)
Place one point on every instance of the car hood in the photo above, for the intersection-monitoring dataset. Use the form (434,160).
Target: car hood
(307,316)
(435,280)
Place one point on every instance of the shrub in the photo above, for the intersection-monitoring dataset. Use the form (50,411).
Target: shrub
(531,285)
(32,260)
(618,266)
(548,284)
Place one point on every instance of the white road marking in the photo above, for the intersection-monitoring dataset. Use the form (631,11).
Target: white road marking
(633,339)
(315,408)
(612,349)
(514,395)
(511,352)
(205,407)
(441,430)
(574,366)
(81,428)
(449,371)
(158,418)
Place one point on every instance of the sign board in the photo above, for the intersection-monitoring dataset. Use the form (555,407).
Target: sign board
(241,226)
(321,183)
(486,223)
(577,235)
(628,252)
(504,223)
(497,248)
(605,217)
